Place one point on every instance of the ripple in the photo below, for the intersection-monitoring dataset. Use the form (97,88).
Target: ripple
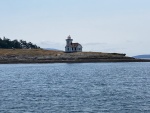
(75,88)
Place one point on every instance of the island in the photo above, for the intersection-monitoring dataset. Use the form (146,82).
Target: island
(14,51)
(52,56)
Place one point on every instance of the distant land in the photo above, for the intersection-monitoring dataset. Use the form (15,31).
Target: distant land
(51,56)
(142,56)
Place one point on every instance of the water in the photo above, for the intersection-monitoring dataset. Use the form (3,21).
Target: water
(75,88)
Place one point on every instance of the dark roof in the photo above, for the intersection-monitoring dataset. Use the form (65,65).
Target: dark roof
(74,44)
(69,37)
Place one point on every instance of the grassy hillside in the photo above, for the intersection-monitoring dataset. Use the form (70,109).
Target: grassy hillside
(54,54)
(27,52)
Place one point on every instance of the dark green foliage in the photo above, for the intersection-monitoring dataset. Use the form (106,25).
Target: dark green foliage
(6,43)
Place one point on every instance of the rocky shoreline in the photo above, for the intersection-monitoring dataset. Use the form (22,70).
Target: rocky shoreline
(11,56)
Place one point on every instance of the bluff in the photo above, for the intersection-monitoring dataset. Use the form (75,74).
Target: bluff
(50,56)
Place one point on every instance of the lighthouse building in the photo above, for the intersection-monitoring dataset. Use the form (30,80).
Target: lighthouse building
(72,47)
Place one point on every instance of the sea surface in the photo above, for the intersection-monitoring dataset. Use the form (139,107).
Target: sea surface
(75,88)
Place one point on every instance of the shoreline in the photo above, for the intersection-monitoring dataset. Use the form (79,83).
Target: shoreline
(70,61)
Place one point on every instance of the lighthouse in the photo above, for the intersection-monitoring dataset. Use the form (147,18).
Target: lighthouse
(72,47)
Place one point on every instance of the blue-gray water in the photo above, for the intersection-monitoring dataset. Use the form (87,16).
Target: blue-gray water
(75,88)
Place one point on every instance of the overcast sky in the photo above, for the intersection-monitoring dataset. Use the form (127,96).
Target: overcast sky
(99,25)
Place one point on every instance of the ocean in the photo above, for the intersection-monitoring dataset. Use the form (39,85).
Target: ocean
(75,88)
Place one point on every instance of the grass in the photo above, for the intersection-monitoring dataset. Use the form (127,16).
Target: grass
(30,52)
(41,52)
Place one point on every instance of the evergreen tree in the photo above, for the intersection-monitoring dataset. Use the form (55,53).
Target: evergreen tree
(8,44)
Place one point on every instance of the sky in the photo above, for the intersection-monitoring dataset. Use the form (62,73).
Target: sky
(120,26)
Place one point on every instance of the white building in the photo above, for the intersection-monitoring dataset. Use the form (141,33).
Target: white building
(72,47)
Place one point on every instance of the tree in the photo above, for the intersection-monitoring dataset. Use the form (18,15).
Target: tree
(8,44)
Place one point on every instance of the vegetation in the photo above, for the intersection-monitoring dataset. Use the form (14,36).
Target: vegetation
(6,43)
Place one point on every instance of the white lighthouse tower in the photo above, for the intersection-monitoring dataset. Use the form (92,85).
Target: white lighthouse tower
(69,40)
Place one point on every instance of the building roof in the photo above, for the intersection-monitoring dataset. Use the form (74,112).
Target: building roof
(69,37)
(74,45)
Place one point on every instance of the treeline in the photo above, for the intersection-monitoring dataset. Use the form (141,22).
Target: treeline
(6,43)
